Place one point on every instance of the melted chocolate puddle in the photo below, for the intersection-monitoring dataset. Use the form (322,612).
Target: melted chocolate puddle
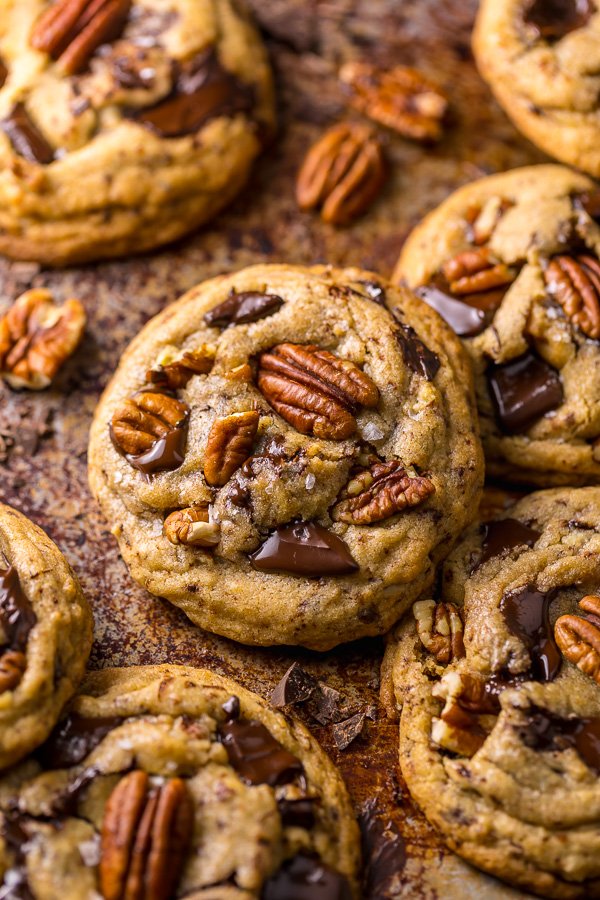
(256,755)
(305,877)
(17,617)
(547,731)
(166,454)
(504,535)
(526,613)
(73,739)
(304,549)
(383,852)
(553,19)
(465,320)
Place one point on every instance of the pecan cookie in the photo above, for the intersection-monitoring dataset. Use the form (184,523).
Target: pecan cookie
(511,262)
(45,635)
(169,781)
(542,61)
(124,124)
(498,682)
(285,460)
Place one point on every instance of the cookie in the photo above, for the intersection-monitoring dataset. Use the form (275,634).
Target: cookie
(542,60)
(124,125)
(511,262)
(283,459)
(177,782)
(45,635)
(498,682)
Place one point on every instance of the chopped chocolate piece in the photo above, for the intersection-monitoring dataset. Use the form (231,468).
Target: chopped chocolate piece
(238,309)
(328,705)
(17,617)
(306,878)
(27,141)
(295,687)
(419,358)
(304,549)
(553,19)
(465,320)
(526,612)
(346,732)
(73,739)
(383,852)
(297,813)
(231,708)
(547,731)
(522,391)
(256,755)
(504,535)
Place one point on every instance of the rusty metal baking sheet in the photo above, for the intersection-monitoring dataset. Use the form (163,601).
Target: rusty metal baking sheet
(43,437)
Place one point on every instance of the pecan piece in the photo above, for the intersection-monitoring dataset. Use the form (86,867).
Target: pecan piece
(401,98)
(173,370)
(140,421)
(36,337)
(314,390)
(482,220)
(342,173)
(229,445)
(144,839)
(12,666)
(440,628)
(575,282)
(379,492)
(579,637)
(70,31)
(192,526)
(476,271)
(468,715)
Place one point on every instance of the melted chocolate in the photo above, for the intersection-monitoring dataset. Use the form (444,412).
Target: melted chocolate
(383,852)
(231,708)
(166,454)
(73,739)
(522,391)
(419,358)
(306,878)
(553,19)
(247,306)
(304,549)
(547,731)
(256,755)
(15,838)
(25,138)
(17,617)
(297,813)
(203,91)
(589,202)
(465,320)
(526,613)
(504,535)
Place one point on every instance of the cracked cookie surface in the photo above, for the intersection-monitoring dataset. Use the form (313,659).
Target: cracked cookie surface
(511,262)
(124,125)
(45,635)
(236,800)
(499,717)
(285,460)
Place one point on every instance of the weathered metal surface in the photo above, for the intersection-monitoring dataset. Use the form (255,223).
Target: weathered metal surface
(43,438)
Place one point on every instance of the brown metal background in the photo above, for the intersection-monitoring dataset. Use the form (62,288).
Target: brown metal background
(43,437)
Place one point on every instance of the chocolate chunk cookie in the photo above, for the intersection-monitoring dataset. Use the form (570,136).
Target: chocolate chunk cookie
(511,262)
(168,781)
(285,460)
(45,635)
(498,682)
(542,61)
(123,123)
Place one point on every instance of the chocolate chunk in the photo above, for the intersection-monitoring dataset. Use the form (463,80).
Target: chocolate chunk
(328,705)
(297,813)
(526,613)
(247,306)
(67,801)
(383,852)
(589,202)
(231,708)
(304,549)
(73,739)
(419,358)
(166,454)
(306,878)
(547,731)
(465,320)
(504,535)
(17,617)
(553,19)
(25,138)
(346,732)
(295,687)
(256,755)
(522,391)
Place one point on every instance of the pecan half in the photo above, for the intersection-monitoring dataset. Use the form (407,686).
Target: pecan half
(314,390)
(342,173)
(141,420)
(12,666)
(192,526)
(229,445)
(579,637)
(70,31)
(37,336)
(381,491)
(401,98)
(476,271)
(467,716)
(575,282)
(144,838)
(440,628)
(173,371)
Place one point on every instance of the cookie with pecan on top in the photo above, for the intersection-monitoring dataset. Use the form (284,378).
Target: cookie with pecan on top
(284,459)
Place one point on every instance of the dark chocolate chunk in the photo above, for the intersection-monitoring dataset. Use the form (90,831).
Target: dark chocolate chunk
(306,878)
(231,708)
(547,731)
(25,138)
(73,739)
(346,732)
(589,202)
(522,391)
(295,687)
(247,306)
(553,19)
(17,617)
(297,813)
(419,358)
(256,755)
(465,320)
(304,549)
(384,854)
(328,705)
(526,613)
(504,535)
